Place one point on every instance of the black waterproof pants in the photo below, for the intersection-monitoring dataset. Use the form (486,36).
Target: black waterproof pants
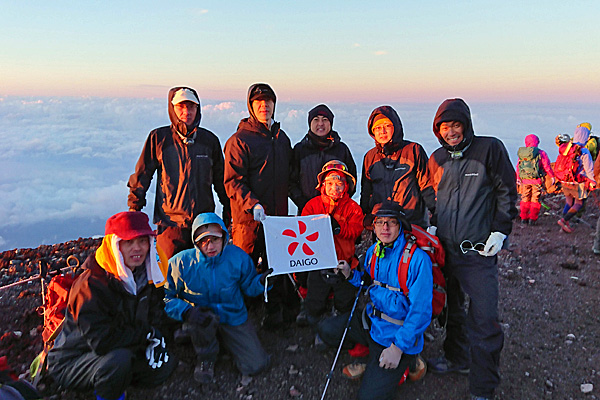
(474,337)
(109,375)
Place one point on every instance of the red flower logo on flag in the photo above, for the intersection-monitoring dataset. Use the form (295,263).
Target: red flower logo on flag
(301,231)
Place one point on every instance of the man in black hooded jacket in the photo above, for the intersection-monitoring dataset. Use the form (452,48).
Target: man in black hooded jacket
(189,162)
(476,199)
(257,173)
(395,169)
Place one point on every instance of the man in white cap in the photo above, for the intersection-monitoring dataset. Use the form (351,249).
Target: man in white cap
(189,162)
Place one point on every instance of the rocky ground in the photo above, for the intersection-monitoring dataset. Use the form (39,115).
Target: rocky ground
(549,306)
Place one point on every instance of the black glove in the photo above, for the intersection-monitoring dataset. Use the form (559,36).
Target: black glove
(263,276)
(198,316)
(366,278)
(156,350)
(335,226)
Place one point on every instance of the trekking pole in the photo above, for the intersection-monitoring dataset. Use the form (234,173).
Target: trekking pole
(330,374)
(43,266)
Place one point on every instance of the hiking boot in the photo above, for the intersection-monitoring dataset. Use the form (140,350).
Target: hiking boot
(473,397)
(420,370)
(354,371)
(302,318)
(524,221)
(441,365)
(532,222)
(565,225)
(204,372)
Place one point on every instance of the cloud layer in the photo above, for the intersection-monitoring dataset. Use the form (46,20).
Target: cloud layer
(65,161)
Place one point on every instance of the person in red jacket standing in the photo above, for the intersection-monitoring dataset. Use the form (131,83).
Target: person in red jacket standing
(335,182)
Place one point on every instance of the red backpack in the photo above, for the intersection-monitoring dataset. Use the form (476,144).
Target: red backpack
(567,167)
(418,237)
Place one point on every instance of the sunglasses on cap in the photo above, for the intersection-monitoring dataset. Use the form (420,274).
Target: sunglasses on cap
(467,245)
(334,166)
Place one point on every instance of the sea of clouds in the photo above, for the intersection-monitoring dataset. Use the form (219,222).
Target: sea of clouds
(65,162)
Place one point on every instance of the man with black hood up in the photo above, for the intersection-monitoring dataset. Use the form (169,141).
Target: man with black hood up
(257,171)
(395,169)
(475,185)
(320,145)
(189,161)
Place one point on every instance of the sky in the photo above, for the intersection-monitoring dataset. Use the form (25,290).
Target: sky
(82,83)
(319,51)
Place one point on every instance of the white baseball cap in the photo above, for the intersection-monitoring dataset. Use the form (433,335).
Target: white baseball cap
(184,95)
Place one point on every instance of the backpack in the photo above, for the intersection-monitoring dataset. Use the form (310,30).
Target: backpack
(566,167)
(418,237)
(54,311)
(529,163)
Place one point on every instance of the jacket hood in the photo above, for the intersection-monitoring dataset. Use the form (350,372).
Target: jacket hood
(454,110)
(249,104)
(532,140)
(181,127)
(397,138)
(210,218)
(581,135)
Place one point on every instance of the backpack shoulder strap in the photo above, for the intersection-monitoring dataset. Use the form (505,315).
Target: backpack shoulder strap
(372,265)
(409,250)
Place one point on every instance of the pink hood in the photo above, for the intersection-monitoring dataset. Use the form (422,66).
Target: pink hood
(532,140)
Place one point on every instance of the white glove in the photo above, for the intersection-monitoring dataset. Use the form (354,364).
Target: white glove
(259,212)
(344,267)
(156,352)
(390,357)
(493,244)
(432,230)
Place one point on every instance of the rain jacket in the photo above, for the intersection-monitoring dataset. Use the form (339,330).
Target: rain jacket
(414,309)
(474,182)
(186,172)
(257,168)
(533,141)
(218,282)
(398,171)
(102,315)
(309,158)
(350,217)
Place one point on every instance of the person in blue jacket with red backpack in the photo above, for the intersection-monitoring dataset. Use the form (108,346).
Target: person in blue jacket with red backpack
(395,322)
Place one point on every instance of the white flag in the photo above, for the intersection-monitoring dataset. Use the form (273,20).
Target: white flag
(296,244)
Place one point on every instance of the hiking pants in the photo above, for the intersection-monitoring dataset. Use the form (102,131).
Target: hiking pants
(377,382)
(110,374)
(173,239)
(318,292)
(474,337)
(241,341)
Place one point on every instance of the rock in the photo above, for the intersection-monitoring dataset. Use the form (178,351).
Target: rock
(293,370)
(292,348)
(549,384)
(587,387)
(570,336)
(295,392)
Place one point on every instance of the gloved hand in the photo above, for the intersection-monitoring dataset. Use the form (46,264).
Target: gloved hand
(263,276)
(493,244)
(335,226)
(344,268)
(156,351)
(432,230)
(259,212)
(197,316)
(390,357)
